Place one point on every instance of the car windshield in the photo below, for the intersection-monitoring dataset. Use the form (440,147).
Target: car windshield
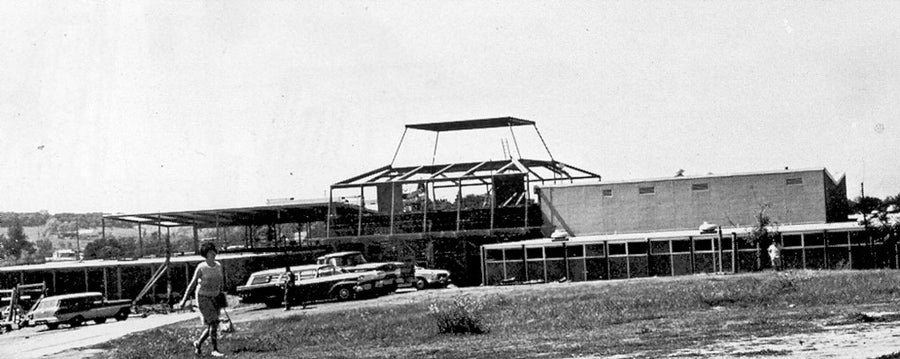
(355,260)
(44,304)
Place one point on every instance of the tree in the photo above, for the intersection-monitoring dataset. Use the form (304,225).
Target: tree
(760,234)
(44,248)
(16,242)
(102,249)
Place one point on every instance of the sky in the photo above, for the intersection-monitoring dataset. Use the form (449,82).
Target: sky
(145,106)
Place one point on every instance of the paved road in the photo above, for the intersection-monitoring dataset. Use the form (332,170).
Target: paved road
(41,342)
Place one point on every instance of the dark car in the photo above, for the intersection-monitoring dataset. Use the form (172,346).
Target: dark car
(313,282)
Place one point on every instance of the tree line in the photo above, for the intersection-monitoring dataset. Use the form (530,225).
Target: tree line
(42,218)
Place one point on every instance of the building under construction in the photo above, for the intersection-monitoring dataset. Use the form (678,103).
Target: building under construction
(437,215)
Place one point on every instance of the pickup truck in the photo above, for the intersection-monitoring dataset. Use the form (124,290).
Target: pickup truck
(312,282)
(395,273)
(76,309)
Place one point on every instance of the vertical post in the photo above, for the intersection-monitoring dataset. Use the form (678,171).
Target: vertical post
(196,240)
(86,287)
(493,199)
(425,210)
(168,268)
(102,227)
(650,270)
(153,288)
(734,249)
(217,227)
(105,283)
(849,251)
(525,263)
(458,203)
(606,258)
(393,199)
(527,199)
(566,260)
(802,251)
(55,289)
(721,251)
(483,273)
(119,281)
(328,216)
(159,228)
(77,242)
(691,240)
(825,255)
(362,203)
(140,242)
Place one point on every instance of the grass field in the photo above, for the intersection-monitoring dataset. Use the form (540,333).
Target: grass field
(651,316)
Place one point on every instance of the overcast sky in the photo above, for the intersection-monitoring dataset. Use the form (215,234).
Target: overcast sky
(124,106)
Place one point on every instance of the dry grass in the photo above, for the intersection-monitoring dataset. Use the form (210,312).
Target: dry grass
(650,316)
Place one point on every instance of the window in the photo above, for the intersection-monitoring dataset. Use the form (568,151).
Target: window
(659,247)
(555,252)
(594,250)
(514,254)
(617,249)
(681,246)
(646,190)
(534,253)
(792,240)
(700,187)
(494,254)
(703,244)
(637,248)
(575,251)
(793,181)
(607,193)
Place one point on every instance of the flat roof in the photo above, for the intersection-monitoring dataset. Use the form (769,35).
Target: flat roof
(624,237)
(100,263)
(471,124)
(295,211)
(695,177)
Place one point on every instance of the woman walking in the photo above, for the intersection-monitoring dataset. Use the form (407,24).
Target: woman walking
(210,280)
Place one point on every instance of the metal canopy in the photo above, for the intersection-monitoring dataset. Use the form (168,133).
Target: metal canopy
(471,124)
(242,216)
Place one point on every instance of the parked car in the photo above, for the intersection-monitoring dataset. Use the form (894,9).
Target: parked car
(431,278)
(396,273)
(76,309)
(4,313)
(312,282)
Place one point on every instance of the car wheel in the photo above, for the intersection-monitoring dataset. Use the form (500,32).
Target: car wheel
(122,315)
(421,283)
(76,322)
(344,293)
(52,326)
(100,320)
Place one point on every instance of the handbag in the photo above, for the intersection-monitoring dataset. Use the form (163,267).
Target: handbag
(226,326)
(221,301)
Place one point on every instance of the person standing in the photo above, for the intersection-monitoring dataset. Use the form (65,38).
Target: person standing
(775,255)
(289,279)
(209,277)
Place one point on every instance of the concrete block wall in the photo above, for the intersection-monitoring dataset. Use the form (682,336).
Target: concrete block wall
(729,200)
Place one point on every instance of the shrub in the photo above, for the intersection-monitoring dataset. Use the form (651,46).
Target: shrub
(462,315)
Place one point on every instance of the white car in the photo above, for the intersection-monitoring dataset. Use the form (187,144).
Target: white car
(431,278)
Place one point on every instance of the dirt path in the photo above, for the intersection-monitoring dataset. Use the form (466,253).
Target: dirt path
(865,340)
